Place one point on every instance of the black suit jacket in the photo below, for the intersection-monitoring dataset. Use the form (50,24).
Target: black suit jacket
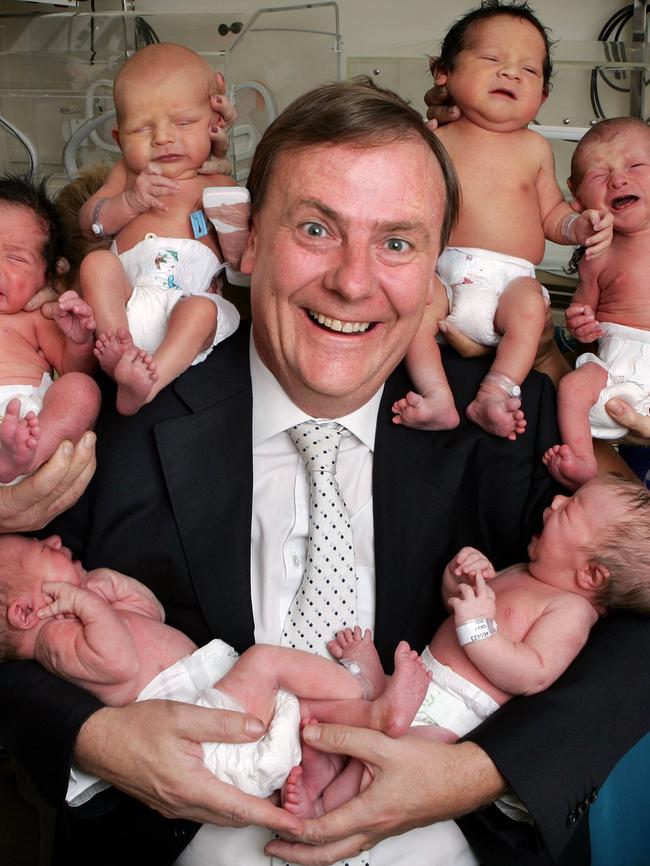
(171,505)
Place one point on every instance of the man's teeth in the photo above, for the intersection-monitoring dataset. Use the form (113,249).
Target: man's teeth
(338,325)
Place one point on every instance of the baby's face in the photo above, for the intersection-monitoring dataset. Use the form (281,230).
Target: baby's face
(22,265)
(498,78)
(166,124)
(575,523)
(615,176)
(47,561)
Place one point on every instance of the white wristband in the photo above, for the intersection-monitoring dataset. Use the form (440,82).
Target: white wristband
(567,226)
(476,629)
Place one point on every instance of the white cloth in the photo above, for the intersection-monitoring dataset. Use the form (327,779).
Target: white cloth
(162,272)
(451,701)
(625,354)
(30,396)
(474,280)
(279,542)
(257,768)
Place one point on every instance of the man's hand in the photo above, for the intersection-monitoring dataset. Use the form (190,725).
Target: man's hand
(152,751)
(149,189)
(581,322)
(451,781)
(624,414)
(226,114)
(464,345)
(440,108)
(52,489)
(75,318)
(44,300)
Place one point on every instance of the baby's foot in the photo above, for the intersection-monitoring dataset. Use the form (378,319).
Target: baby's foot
(18,442)
(109,349)
(356,646)
(296,798)
(135,375)
(435,411)
(497,413)
(394,711)
(568,468)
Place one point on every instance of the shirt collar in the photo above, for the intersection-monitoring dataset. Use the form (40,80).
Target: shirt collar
(274,412)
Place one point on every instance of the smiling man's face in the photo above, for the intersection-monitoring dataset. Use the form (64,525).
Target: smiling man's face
(342,255)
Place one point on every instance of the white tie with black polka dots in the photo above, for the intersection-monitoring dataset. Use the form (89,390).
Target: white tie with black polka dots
(326,600)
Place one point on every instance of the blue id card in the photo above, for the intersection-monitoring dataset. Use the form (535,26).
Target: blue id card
(199,225)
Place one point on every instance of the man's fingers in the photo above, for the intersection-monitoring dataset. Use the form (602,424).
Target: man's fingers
(624,414)
(361,743)
(307,855)
(206,725)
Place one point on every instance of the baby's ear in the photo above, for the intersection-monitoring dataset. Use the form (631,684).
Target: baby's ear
(593,576)
(22,614)
(439,72)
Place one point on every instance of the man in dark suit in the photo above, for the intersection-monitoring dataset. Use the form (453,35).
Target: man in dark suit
(349,211)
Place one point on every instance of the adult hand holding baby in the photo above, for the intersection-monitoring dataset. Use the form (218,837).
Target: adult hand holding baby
(226,114)
(51,490)
(163,740)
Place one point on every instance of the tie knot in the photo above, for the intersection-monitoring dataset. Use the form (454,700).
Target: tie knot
(317,444)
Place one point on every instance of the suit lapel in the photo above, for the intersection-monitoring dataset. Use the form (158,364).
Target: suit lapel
(210,482)
(415,478)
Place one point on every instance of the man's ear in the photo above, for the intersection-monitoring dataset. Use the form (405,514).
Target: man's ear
(21,613)
(248,256)
(592,577)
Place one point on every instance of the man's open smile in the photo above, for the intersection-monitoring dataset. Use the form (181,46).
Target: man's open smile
(338,325)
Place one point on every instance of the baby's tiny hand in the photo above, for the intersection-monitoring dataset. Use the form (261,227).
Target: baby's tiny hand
(594,229)
(149,186)
(473,602)
(75,318)
(470,562)
(581,322)
(62,596)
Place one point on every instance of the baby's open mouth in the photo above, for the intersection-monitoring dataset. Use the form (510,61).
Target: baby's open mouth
(339,326)
(624,201)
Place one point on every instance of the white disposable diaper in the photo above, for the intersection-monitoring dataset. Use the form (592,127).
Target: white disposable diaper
(257,768)
(162,272)
(30,396)
(451,701)
(625,354)
(474,280)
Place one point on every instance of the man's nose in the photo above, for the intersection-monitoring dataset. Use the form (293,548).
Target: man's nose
(351,273)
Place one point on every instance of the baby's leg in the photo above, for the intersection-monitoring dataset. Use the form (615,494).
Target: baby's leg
(106,288)
(574,463)
(70,407)
(190,330)
(310,793)
(393,711)
(432,406)
(263,669)
(520,320)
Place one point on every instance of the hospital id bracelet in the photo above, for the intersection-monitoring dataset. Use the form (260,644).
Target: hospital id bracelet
(567,226)
(476,629)
(505,383)
(96,227)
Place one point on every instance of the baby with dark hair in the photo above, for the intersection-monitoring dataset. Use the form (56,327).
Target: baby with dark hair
(37,412)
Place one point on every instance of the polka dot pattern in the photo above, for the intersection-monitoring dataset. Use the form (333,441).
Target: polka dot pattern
(327,598)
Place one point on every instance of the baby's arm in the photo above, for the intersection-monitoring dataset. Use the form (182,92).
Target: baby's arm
(68,344)
(468,563)
(431,406)
(561,224)
(581,313)
(528,666)
(123,593)
(117,203)
(96,649)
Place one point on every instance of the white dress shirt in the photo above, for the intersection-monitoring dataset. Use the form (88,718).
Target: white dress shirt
(279,533)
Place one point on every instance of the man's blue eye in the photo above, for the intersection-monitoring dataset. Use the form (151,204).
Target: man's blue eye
(397,245)
(314,230)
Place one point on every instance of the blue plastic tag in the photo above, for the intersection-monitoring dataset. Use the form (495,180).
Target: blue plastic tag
(199,225)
